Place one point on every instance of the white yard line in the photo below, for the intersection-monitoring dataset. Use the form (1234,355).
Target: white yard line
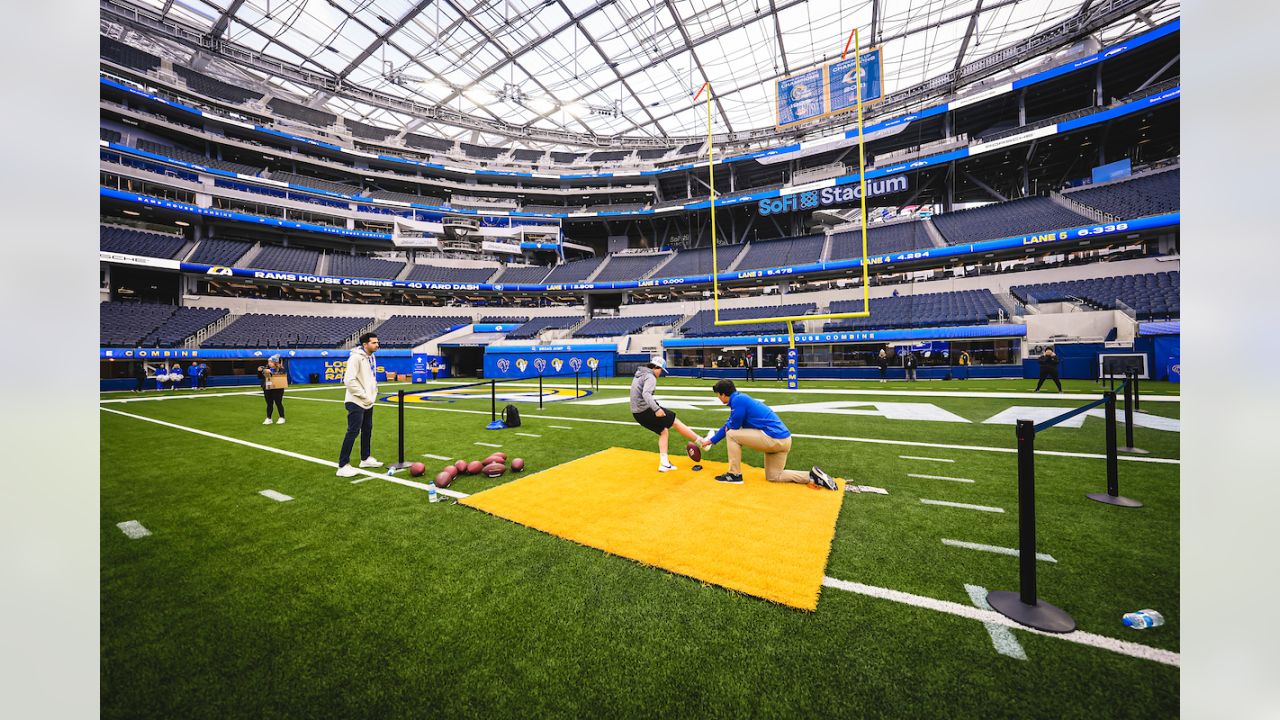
(435,457)
(930,459)
(1122,647)
(529,435)
(277,451)
(277,496)
(874,441)
(488,445)
(133,529)
(1001,637)
(560,427)
(963,506)
(1045,557)
(939,477)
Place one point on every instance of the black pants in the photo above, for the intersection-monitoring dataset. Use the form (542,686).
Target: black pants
(276,398)
(1050,374)
(359,422)
(883,371)
(204,381)
(751,374)
(782,373)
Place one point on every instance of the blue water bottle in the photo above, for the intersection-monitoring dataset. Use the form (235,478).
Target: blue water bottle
(1143,619)
(431,492)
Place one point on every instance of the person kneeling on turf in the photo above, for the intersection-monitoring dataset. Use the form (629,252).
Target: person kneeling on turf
(753,424)
(646,410)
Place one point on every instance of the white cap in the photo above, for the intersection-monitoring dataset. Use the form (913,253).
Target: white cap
(658,361)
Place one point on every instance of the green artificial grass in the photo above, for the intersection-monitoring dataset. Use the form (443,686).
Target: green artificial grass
(364,600)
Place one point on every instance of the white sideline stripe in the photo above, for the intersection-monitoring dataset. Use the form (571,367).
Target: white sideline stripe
(1122,647)
(435,457)
(873,441)
(930,459)
(850,391)
(278,451)
(939,477)
(1001,636)
(133,529)
(560,427)
(488,445)
(965,506)
(529,435)
(230,393)
(277,496)
(1045,557)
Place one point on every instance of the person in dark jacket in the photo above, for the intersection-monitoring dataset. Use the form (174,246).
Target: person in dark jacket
(882,361)
(749,362)
(274,396)
(909,364)
(1049,369)
(781,364)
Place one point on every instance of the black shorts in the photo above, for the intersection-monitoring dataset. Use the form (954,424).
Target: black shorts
(649,420)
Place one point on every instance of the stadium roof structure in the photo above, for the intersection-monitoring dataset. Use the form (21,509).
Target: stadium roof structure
(620,72)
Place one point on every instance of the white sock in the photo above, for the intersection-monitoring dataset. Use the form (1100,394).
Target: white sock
(664,460)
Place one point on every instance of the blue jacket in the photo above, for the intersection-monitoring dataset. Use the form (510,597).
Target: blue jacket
(748,412)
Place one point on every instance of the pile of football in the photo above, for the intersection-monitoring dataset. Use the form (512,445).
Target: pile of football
(495,465)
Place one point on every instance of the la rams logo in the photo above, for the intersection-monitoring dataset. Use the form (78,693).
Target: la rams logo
(556,364)
(521,364)
(809,199)
(575,363)
(218,270)
(592,363)
(504,365)
(540,364)
(1176,369)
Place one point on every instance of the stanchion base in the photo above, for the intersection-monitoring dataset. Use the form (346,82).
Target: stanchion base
(398,466)
(1041,616)
(1117,500)
(496,425)
(1133,450)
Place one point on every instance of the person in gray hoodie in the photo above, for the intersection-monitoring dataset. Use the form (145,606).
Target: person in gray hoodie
(652,416)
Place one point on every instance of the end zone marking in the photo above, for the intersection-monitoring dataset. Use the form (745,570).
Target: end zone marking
(488,445)
(529,435)
(966,506)
(939,477)
(930,459)
(277,496)
(133,529)
(1045,557)
(1123,647)
(1001,636)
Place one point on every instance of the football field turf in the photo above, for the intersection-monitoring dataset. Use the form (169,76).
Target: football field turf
(361,599)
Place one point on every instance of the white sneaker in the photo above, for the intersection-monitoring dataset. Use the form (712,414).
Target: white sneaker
(370,461)
(667,467)
(280,421)
(267,421)
(347,471)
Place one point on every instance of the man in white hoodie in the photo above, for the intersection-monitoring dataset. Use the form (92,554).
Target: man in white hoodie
(362,393)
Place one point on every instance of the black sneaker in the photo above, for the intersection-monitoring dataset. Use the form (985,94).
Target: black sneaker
(730,478)
(821,479)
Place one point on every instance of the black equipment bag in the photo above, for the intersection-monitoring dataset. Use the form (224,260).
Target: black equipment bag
(511,416)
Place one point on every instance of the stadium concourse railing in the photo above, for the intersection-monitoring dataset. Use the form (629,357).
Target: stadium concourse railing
(1025,606)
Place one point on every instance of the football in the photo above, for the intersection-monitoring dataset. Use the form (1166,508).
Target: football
(460,465)
(494,458)
(453,471)
(694,450)
(444,479)
(494,470)
(474,467)
(517,465)
(417,469)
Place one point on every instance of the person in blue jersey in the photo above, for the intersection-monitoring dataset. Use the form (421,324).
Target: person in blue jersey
(752,424)
(193,372)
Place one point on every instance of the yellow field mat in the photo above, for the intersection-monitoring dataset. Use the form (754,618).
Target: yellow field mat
(770,540)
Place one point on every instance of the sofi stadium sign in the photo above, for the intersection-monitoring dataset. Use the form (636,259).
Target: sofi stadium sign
(837,195)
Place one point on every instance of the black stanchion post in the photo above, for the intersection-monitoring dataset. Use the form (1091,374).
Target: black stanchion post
(1129,405)
(539,391)
(493,400)
(401,464)
(1112,495)
(575,384)
(1023,606)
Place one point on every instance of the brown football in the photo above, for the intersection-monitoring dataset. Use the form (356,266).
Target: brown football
(494,470)
(517,465)
(474,467)
(460,465)
(443,480)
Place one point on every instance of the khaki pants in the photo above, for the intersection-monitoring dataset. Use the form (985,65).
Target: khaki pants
(775,455)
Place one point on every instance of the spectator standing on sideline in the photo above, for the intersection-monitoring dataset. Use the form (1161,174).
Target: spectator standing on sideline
(964,364)
(193,372)
(204,375)
(1049,369)
(781,364)
(882,361)
(274,396)
(750,364)
(909,364)
(140,375)
(362,392)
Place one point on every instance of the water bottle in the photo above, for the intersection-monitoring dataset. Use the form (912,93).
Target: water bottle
(1143,619)
(435,497)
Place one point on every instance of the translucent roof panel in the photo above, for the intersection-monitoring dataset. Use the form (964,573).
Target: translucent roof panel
(619,66)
